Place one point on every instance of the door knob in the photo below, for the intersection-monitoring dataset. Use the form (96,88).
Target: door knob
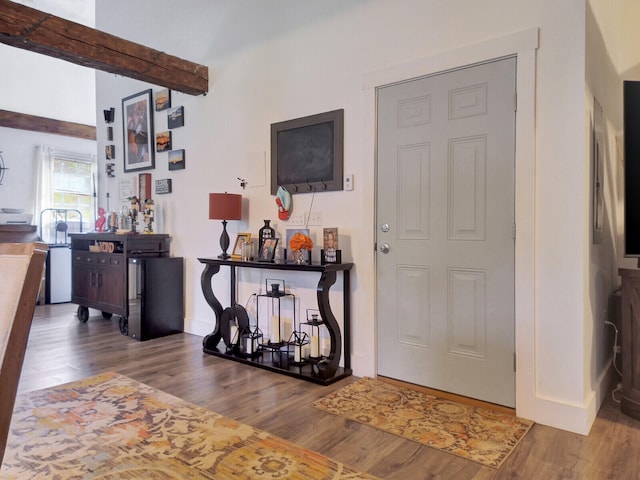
(384,248)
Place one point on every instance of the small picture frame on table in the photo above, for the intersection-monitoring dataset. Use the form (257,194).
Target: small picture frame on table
(268,250)
(237,247)
(330,252)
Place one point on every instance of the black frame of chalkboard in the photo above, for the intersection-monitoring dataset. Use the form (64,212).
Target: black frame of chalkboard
(307,153)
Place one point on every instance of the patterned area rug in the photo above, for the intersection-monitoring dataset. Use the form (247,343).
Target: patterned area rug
(112,427)
(474,433)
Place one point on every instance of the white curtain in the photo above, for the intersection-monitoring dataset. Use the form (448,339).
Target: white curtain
(44,185)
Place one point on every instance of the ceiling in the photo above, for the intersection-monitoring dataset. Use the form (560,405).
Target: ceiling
(79,11)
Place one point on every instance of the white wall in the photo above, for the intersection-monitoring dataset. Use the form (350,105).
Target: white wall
(19,151)
(44,86)
(612,56)
(280,59)
(603,81)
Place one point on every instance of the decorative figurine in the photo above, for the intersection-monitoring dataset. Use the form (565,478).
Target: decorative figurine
(149,213)
(101,220)
(135,204)
(125,219)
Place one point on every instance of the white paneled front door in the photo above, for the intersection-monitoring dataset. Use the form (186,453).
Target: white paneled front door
(445,231)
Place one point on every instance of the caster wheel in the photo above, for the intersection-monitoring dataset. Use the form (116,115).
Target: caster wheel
(106,315)
(83,314)
(124,326)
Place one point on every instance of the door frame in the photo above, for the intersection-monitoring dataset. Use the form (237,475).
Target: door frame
(523,46)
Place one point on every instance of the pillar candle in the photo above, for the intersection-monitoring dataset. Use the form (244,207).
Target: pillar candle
(287,328)
(234,335)
(326,346)
(251,345)
(274,329)
(315,346)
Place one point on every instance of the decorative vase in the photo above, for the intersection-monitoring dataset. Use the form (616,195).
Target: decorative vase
(265,232)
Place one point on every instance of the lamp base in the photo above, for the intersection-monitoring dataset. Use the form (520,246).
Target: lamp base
(224,242)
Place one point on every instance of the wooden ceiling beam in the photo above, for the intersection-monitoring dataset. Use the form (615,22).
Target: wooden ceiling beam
(37,31)
(23,121)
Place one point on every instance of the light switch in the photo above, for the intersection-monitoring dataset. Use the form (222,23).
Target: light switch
(348,181)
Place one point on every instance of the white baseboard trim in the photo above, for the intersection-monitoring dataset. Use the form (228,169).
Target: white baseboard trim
(573,418)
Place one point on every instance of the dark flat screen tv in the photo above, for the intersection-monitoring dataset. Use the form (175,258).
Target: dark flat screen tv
(631,90)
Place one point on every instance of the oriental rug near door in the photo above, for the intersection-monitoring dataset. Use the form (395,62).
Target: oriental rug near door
(112,427)
(482,435)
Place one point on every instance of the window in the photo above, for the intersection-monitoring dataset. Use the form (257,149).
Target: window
(67,189)
(73,185)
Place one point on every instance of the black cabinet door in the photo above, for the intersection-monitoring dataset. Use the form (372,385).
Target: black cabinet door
(158,308)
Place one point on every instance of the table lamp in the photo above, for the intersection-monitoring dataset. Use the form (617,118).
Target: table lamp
(225,206)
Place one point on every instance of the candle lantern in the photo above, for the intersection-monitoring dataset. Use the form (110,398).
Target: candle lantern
(314,324)
(297,342)
(272,309)
(250,341)
(281,357)
(232,322)
(234,333)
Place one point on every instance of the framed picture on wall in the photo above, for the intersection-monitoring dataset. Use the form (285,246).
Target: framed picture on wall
(176,159)
(163,141)
(137,125)
(175,117)
(163,99)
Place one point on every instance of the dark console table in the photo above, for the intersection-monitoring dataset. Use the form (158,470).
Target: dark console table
(325,372)
(630,334)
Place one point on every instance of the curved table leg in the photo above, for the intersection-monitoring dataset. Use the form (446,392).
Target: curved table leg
(210,342)
(328,369)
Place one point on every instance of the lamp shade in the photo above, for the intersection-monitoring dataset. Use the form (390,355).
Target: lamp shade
(225,206)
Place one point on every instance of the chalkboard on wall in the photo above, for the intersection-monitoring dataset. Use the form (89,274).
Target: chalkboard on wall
(307,153)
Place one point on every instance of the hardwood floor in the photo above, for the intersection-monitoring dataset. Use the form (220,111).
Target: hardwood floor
(61,349)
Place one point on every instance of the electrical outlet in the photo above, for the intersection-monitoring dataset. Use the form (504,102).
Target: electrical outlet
(296,219)
(315,219)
